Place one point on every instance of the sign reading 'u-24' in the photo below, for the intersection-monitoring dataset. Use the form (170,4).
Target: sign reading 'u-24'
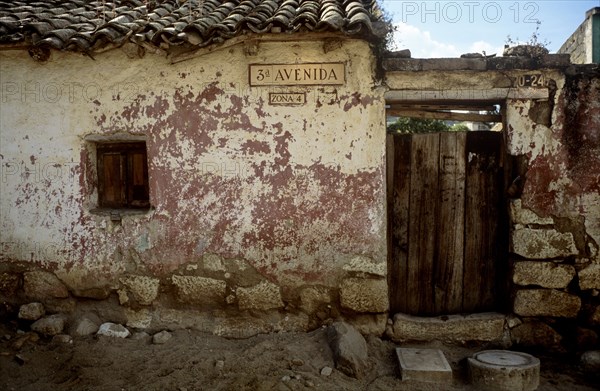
(297,74)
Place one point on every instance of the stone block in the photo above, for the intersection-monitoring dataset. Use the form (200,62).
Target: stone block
(31,311)
(50,325)
(40,285)
(199,290)
(520,215)
(484,327)
(536,334)
(535,243)
(364,295)
(546,302)
(84,325)
(368,324)
(312,298)
(424,365)
(264,296)
(141,319)
(366,265)
(544,274)
(589,277)
(349,349)
(143,289)
(9,283)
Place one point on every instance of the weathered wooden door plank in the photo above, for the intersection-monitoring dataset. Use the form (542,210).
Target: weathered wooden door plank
(481,220)
(422,221)
(399,233)
(448,274)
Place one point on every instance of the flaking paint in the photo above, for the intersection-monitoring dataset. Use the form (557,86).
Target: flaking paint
(230,175)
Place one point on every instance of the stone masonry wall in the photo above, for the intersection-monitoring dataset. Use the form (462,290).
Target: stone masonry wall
(555,237)
(578,44)
(264,217)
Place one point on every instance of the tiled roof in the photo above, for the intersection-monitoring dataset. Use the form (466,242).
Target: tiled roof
(81,25)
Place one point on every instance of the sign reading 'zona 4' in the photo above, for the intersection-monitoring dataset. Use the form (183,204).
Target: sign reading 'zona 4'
(297,74)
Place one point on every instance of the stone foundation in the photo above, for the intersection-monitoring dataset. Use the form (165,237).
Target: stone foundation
(215,305)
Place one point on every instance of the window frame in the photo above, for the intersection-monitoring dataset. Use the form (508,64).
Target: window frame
(126,183)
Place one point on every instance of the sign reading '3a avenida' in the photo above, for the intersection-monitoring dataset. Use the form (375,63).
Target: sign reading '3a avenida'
(297,74)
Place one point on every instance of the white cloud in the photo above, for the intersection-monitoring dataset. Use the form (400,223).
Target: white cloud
(481,46)
(423,45)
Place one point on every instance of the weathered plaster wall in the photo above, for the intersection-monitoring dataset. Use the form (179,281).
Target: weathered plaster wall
(255,206)
(552,136)
(556,221)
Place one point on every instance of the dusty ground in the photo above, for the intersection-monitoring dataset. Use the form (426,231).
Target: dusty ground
(187,362)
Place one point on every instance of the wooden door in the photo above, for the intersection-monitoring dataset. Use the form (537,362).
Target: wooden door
(446,228)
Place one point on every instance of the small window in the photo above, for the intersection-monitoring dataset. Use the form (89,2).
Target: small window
(122,175)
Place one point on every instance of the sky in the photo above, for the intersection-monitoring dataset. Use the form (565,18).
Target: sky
(450,28)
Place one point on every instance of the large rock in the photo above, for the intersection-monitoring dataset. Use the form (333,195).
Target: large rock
(536,243)
(84,325)
(589,277)
(113,330)
(364,295)
(41,286)
(349,349)
(536,334)
(544,274)
(199,290)
(50,325)
(484,327)
(546,302)
(143,289)
(264,296)
(31,311)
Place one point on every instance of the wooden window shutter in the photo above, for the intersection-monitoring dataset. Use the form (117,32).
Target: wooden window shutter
(122,175)
(137,179)
(110,179)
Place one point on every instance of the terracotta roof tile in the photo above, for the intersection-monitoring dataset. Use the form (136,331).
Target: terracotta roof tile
(82,25)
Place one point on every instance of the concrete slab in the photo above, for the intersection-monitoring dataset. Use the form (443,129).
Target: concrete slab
(426,365)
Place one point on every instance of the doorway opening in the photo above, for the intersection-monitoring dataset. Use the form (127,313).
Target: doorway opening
(447,223)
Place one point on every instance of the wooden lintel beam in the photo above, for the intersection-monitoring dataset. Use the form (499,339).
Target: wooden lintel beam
(452,116)
(435,107)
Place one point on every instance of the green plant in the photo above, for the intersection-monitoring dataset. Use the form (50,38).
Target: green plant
(405,125)
(534,39)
